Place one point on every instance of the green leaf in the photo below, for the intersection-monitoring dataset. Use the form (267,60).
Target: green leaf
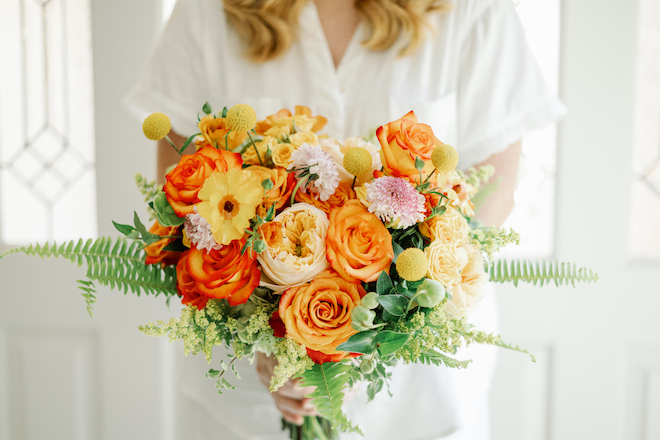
(388,342)
(384,284)
(206,108)
(176,246)
(397,250)
(374,388)
(128,230)
(394,304)
(223,114)
(187,142)
(419,163)
(164,212)
(362,342)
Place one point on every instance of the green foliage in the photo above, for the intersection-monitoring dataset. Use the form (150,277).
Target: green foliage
(330,379)
(491,240)
(148,189)
(436,358)
(110,262)
(540,272)
(164,212)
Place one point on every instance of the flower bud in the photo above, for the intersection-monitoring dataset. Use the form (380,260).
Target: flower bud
(259,246)
(366,366)
(430,293)
(370,300)
(362,318)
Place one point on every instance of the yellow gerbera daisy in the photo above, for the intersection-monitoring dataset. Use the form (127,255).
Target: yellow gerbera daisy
(228,202)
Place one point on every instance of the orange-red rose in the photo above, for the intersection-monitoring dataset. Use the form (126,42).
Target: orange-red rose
(155,252)
(186,179)
(358,245)
(402,141)
(223,273)
(342,194)
(318,314)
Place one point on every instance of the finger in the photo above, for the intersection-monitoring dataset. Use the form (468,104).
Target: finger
(295,392)
(286,404)
(296,419)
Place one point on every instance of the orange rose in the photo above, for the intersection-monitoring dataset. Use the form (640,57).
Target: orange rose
(186,179)
(154,251)
(402,141)
(223,273)
(318,314)
(271,232)
(342,194)
(283,184)
(216,133)
(358,245)
(185,285)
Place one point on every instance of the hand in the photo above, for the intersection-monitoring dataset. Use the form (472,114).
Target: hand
(289,398)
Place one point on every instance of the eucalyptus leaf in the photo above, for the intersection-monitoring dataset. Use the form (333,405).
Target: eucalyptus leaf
(394,304)
(164,212)
(362,342)
(384,284)
(206,108)
(388,342)
(397,250)
(419,163)
(223,114)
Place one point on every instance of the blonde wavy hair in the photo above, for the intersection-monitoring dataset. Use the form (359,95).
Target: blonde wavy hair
(268,27)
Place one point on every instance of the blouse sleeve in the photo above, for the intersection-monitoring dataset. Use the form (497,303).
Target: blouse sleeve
(174,81)
(501,92)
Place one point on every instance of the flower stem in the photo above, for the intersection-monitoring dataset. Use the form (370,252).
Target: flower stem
(353,185)
(255,149)
(295,190)
(173,146)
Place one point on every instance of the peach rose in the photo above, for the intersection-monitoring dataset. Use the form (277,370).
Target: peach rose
(445,262)
(450,227)
(296,254)
(186,179)
(342,194)
(216,133)
(303,137)
(185,285)
(359,246)
(281,123)
(468,293)
(265,147)
(402,141)
(318,314)
(154,251)
(223,273)
(283,184)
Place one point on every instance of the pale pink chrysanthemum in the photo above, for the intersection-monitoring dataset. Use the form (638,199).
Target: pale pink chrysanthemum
(317,167)
(395,201)
(198,231)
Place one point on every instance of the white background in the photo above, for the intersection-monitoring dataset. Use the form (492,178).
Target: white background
(66,376)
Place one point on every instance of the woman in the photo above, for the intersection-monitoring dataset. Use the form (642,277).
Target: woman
(464,68)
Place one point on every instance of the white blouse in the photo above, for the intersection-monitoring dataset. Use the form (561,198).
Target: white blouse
(474,81)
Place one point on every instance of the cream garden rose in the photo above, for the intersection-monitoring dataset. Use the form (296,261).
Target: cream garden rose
(468,293)
(445,262)
(450,227)
(298,254)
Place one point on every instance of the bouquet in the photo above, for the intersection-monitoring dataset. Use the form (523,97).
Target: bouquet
(338,257)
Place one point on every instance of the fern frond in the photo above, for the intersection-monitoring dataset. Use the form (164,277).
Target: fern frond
(330,379)
(117,263)
(540,272)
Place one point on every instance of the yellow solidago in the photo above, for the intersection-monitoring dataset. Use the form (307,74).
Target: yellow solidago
(292,358)
(412,264)
(156,126)
(241,118)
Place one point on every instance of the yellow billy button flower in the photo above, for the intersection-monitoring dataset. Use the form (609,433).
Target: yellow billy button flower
(444,158)
(412,264)
(156,126)
(228,202)
(241,118)
(357,161)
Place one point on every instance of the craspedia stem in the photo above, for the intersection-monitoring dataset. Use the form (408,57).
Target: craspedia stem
(255,149)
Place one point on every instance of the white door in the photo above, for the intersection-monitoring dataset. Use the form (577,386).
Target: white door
(598,346)
(64,375)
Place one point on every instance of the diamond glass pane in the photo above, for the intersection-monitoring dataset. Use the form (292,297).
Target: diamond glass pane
(645,198)
(533,215)
(47,184)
